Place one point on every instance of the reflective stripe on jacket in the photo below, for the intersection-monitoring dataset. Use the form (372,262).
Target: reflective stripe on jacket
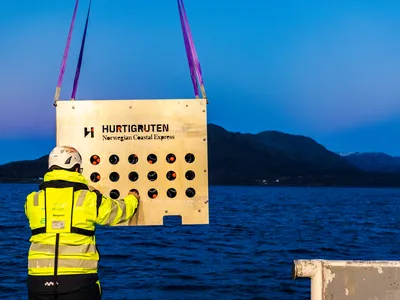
(62,217)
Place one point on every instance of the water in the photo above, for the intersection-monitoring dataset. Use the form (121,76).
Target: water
(245,253)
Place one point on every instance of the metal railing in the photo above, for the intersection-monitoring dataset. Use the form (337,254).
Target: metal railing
(352,280)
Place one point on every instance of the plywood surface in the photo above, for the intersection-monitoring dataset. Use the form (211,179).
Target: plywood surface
(137,132)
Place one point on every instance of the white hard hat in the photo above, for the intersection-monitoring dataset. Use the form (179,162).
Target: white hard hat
(65,157)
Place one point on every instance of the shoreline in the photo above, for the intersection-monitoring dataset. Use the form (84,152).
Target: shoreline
(37,181)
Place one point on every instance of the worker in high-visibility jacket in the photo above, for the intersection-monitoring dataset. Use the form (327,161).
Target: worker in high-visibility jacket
(63,256)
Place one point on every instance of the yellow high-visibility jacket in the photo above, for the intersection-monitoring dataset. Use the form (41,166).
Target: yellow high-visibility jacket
(62,217)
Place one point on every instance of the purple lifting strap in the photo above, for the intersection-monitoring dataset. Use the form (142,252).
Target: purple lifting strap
(78,67)
(189,54)
(193,48)
(194,64)
(65,57)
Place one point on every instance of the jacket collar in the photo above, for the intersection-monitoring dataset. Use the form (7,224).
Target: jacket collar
(64,175)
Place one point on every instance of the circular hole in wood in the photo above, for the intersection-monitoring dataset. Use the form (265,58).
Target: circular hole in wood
(152,175)
(171,193)
(134,190)
(133,159)
(189,158)
(133,176)
(171,175)
(114,176)
(95,159)
(190,192)
(171,158)
(114,159)
(190,175)
(114,194)
(151,158)
(152,193)
(95,177)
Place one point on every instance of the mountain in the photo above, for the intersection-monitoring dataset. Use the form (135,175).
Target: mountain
(373,161)
(266,158)
(25,170)
(237,158)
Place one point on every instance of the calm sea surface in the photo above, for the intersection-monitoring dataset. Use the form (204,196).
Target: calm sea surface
(246,251)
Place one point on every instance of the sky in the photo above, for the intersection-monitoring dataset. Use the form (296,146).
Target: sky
(329,70)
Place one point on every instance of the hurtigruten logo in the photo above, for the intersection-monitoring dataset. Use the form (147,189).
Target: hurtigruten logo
(89,130)
(126,132)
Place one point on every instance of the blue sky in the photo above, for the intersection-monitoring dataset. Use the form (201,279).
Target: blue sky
(325,69)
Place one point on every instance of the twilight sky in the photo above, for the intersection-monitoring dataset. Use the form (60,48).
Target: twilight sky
(325,69)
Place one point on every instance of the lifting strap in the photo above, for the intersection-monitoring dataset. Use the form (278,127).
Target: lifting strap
(193,61)
(78,67)
(194,64)
(189,55)
(65,56)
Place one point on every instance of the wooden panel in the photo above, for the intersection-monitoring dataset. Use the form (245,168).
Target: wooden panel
(143,127)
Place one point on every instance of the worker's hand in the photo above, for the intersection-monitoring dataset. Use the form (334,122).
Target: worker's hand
(135,193)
